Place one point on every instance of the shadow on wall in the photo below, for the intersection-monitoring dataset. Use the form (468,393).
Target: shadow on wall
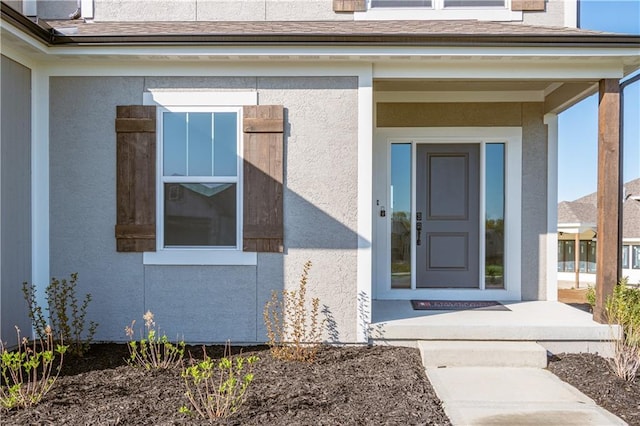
(310,233)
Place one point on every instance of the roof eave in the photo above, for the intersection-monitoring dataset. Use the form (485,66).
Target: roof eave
(587,41)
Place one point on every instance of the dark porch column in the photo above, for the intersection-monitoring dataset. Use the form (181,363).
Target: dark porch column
(608,240)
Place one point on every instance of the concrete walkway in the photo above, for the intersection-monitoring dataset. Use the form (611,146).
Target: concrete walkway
(513,396)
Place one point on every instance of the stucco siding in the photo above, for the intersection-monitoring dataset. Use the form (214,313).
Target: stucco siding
(320,197)
(83,198)
(534,202)
(216,10)
(15,198)
(552,16)
(207,303)
(56,9)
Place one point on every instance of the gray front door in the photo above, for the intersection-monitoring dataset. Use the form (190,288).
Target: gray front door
(447,215)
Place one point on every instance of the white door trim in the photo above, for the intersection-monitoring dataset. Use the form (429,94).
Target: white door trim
(512,137)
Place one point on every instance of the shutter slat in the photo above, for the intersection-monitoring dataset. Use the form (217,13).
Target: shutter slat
(135,229)
(263,176)
(527,5)
(262,125)
(349,6)
(135,125)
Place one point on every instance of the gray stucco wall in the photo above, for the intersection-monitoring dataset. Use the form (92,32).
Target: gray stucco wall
(529,116)
(207,303)
(15,198)
(216,10)
(534,202)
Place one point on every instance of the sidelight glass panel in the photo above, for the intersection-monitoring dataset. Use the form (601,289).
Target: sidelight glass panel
(625,257)
(494,215)
(400,214)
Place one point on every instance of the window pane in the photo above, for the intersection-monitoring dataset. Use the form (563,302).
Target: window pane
(198,214)
(474,3)
(174,143)
(225,142)
(401,3)
(635,257)
(625,257)
(494,214)
(400,212)
(200,144)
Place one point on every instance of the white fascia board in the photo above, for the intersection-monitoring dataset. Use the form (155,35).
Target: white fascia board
(358,52)
(461,96)
(27,39)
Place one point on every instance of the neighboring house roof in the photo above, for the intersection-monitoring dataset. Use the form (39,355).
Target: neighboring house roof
(577,212)
(584,210)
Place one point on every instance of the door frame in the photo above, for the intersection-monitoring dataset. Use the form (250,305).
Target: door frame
(512,138)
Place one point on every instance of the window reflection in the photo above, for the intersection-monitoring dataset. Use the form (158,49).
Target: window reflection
(494,215)
(400,212)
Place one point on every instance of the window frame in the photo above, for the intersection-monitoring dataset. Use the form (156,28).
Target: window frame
(438,11)
(633,256)
(194,100)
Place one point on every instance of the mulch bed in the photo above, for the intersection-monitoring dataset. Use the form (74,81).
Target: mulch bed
(345,386)
(591,375)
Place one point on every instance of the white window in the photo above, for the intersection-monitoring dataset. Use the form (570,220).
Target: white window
(199,178)
(482,10)
(199,202)
(438,4)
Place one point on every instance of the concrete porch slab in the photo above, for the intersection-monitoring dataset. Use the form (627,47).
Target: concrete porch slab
(552,324)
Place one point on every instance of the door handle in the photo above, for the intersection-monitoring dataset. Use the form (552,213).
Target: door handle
(418,233)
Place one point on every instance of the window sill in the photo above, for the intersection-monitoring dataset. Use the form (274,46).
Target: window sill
(200,257)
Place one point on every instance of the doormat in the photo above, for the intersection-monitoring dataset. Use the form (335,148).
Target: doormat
(457,305)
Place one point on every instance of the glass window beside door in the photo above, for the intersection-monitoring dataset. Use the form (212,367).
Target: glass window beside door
(400,215)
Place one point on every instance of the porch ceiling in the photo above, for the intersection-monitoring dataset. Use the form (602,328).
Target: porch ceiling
(557,95)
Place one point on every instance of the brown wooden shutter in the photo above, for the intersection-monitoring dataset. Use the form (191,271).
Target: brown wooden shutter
(263,127)
(136,178)
(349,5)
(527,5)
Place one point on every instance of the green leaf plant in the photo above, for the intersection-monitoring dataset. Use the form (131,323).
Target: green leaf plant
(29,371)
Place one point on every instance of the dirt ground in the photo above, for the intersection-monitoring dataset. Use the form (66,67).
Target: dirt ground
(346,386)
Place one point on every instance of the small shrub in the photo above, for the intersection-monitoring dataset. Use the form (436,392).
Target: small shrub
(294,331)
(68,318)
(623,308)
(28,372)
(154,351)
(591,296)
(217,390)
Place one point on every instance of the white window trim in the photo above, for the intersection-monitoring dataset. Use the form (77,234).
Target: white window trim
(198,101)
(439,12)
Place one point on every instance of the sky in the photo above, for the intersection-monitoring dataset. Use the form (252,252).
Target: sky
(578,126)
